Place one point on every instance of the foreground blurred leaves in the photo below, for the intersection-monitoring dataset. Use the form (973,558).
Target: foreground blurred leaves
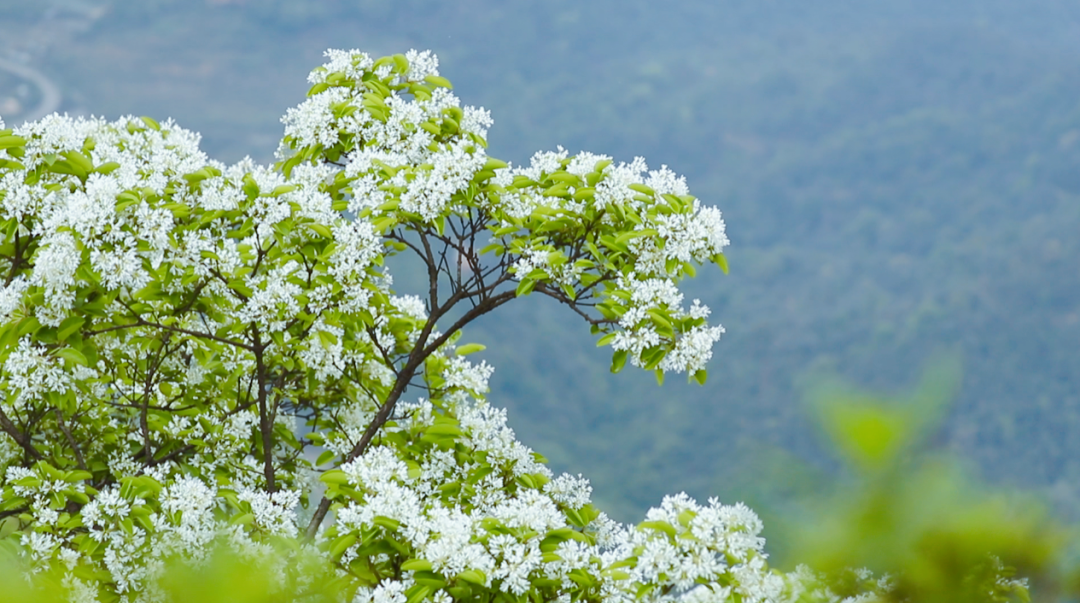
(917,518)
(223,577)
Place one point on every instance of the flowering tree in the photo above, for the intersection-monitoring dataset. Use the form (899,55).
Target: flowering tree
(176,335)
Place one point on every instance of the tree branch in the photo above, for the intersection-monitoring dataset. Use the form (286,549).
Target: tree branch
(20,438)
(416,359)
(140,322)
(71,440)
(266,424)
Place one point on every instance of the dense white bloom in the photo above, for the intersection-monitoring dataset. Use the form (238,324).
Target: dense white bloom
(91,210)
(468,376)
(421,64)
(32,371)
(352,63)
(568,490)
(313,122)
(274,301)
(11,296)
(120,268)
(273,512)
(55,266)
(410,305)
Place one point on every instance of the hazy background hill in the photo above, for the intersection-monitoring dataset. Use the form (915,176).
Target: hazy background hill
(897,177)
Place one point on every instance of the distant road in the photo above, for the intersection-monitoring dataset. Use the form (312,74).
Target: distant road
(50,94)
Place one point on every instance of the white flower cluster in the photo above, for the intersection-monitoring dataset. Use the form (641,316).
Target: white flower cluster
(804,585)
(692,350)
(500,535)
(32,371)
(669,230)
(148,520)
(410,156)
(470,377)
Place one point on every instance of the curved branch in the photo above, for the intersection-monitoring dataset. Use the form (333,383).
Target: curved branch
(71,439)
(416,360)
(140,322)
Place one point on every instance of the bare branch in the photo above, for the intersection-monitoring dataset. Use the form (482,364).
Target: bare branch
(559,295)
(71,440)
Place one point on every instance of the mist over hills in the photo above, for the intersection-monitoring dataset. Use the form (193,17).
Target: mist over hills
(897,177)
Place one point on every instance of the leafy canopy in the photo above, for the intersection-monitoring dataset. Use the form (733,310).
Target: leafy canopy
(179,334)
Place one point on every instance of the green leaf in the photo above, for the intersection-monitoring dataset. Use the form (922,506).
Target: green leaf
(474,576)
(618,360)
(72,355)
(7,142)
(606,339)
(107,168)
(720,261)
(339,546)
(581,578)
(431,127)
(470,348)
(426,577)
(700,376)
(659,376)
(443,430)
(321,230)
(80,161)
(8,526)
(584,194)
(150,123)
(418,593)
(327,339)
(494,164)
(70,325)
(334,476)
(386,522)
(78,476)
(525,287)
(659,318)
(439,81)
(416,565)
(651,357)
(29,481)
(659,526)
(325,457)
(243,519)
(641,188)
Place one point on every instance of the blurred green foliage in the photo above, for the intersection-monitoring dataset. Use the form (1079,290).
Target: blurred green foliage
(918,517)
(222,577)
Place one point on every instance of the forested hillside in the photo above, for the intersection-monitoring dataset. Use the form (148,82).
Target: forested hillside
(897,177)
